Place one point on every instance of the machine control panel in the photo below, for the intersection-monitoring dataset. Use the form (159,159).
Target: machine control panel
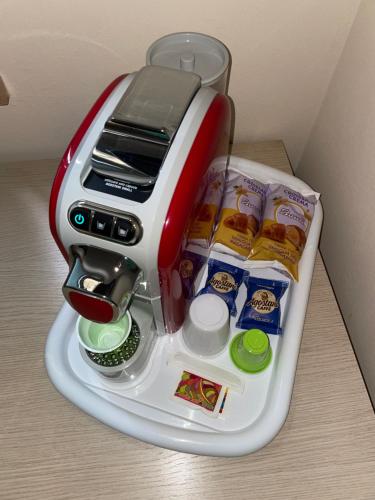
(105,223)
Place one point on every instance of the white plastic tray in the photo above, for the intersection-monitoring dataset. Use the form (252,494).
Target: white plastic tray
(146,409)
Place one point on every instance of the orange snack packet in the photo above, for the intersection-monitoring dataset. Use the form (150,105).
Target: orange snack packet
(286,222)
(240,215)
(203,225)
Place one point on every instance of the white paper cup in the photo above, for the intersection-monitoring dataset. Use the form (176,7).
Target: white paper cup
(206,329)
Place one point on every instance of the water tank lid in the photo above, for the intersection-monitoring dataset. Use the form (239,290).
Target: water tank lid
(201,54)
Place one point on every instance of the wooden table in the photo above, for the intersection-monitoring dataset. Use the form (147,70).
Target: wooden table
(51,450)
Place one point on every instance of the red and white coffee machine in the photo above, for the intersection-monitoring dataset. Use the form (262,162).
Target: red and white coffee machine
(128,188)
(132,181)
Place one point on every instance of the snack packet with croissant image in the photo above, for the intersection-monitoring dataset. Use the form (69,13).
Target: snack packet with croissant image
(286,222)
(240,215)
(203,225)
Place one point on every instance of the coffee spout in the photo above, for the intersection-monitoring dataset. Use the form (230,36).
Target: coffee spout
(100,284)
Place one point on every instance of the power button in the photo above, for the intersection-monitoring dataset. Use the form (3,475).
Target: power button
(80,218)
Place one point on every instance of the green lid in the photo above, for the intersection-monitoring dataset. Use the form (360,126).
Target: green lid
(255,341)
(251,351)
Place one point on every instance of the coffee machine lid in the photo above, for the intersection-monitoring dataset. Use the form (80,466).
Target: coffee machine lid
(195,52)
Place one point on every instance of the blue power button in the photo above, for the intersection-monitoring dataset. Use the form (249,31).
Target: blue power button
(79,219)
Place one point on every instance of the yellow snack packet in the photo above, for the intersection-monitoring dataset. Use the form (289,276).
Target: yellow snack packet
(203,225)
(286,222)
(240,215)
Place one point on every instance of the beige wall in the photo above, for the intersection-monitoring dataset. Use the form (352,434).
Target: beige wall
(56,56)
(340,162)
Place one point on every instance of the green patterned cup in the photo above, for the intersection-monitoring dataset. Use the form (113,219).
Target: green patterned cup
(104,337)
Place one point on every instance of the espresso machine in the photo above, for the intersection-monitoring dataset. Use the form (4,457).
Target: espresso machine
(128,188)
(126,193)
